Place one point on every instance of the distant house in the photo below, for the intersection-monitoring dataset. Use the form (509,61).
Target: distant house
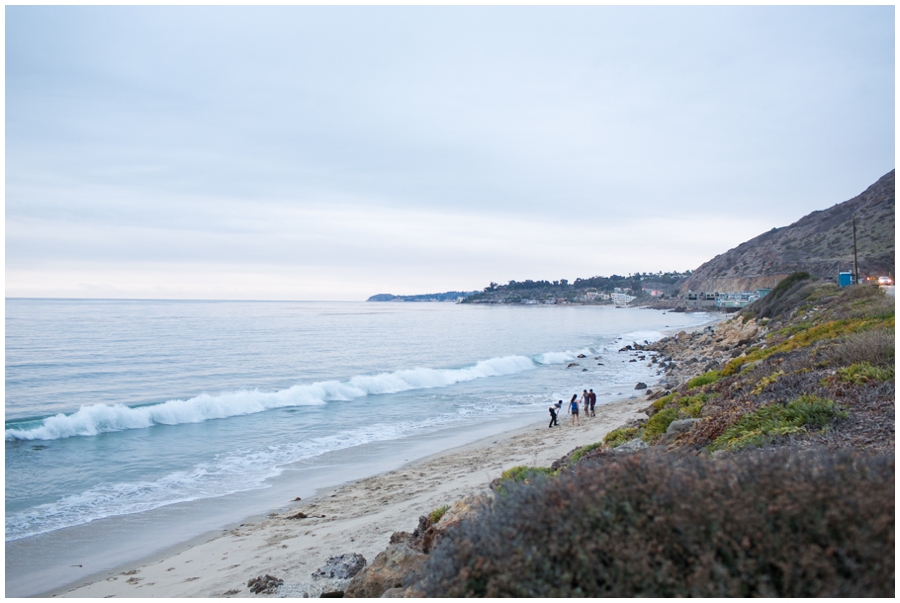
(739,299)
(622,299)
(591,295)
(658,289)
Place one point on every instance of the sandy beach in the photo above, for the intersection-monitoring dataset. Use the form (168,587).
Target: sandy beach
(358,517)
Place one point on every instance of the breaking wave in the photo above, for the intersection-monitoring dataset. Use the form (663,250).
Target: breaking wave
(103,418)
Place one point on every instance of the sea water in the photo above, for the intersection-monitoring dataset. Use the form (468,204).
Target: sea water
(141,410)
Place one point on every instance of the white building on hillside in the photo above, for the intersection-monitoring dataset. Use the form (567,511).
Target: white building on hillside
(621,299)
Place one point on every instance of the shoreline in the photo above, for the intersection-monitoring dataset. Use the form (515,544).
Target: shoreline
(450,475)
(359,516)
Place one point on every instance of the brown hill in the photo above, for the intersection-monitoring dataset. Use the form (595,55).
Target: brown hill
(820,243)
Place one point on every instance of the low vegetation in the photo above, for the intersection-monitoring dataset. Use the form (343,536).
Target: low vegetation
(522,474)
(786,294)
(435,516)
(772,523)
(704,379)
(580,452)
(619,436)
(863,372)
(761,426)
(659,423)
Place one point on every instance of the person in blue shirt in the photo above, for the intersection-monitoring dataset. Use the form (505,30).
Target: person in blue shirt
(573,409)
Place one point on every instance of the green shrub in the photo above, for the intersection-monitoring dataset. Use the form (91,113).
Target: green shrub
(762,523)
(620,436)
(523,473)
(581,452)
(761,426)
(704,379)
(435,516)
(786,295)
(863,372)
(661,403)
(691,405)
(659,423)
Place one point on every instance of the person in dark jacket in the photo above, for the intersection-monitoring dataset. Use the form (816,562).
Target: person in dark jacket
(553,410)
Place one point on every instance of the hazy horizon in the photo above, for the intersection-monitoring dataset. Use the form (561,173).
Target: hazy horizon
(312,153)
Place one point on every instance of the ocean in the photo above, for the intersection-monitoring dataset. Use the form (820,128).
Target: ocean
(134,425)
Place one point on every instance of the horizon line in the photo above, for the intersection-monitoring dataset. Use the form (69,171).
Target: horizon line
(174,299)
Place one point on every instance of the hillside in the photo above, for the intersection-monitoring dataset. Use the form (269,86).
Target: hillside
(820,243)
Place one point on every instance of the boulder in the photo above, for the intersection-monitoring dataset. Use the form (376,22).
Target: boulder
(320,587)
(341,566)
(461,509)
(631,446)
(681,426)
(640,385)
(391,568)
(264,584)
(410,592)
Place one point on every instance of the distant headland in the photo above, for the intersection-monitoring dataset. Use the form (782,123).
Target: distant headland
(448,296)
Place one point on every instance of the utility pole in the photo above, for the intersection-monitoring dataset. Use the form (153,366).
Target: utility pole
(855,262)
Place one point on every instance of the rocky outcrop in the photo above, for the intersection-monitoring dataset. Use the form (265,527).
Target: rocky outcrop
(395,571)
(630,446)
(686,355)
(341,566)
(681,426)
(264,584)
(392,568)
(330,580)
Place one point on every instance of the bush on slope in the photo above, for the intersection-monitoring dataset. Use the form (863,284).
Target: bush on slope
(766,523)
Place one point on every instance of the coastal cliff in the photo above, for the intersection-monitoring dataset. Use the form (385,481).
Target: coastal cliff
(820,243)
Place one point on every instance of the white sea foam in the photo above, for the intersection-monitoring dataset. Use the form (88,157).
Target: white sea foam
(561,357)
(235,472)
(641,336)
(102,418)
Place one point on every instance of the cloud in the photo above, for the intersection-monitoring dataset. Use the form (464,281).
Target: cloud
(425,147)
(278,251)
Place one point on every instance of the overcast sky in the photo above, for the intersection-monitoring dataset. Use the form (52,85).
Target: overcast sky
(338,152)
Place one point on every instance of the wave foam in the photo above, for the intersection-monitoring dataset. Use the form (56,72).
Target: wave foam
(235,472)
(101,418)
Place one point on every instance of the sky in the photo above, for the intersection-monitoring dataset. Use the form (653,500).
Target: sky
(332,153)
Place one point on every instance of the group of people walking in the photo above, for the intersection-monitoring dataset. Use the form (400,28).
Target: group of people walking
(587,402)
